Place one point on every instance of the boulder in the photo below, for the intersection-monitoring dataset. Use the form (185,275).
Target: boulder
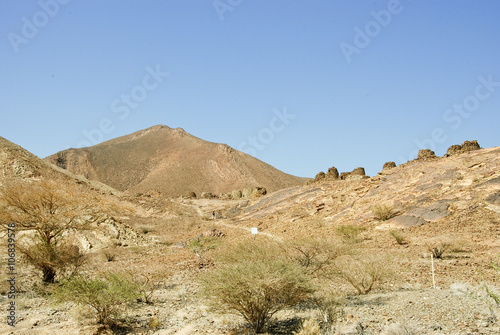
(236,194)
(258,192)
(191,195)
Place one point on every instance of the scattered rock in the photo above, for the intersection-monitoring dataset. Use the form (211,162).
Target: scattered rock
(208,195)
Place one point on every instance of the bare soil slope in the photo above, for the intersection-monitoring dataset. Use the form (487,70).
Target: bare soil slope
(172,162)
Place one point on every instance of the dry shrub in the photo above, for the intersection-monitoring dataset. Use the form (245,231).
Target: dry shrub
(62,259)
(437,247)
(350,233)
(398,236)
(309,327)
(48,210)
(363,272)
(383,212)
(256,284)
(314,255)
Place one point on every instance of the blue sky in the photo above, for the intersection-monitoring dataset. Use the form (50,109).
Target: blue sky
(302,85)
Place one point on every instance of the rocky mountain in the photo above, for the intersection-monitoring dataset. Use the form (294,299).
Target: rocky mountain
(172,162)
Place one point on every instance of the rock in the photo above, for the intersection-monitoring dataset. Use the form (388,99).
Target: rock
(358,172)
(425,154)
(494,198)
(191,195)
(207,195)
(406,221)
(320,176)
(259,192)
(470,146)
(467,146)
(433,212)
(455,149)
(236,194)
(389,165)
(332,174)
(247,192)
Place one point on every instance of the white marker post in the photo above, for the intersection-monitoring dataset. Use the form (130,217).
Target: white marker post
(255,231)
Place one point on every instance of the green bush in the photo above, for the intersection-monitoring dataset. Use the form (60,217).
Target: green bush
(257,284)
(106,295)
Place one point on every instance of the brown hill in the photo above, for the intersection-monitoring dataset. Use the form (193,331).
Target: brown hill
(172,162)
(16,163)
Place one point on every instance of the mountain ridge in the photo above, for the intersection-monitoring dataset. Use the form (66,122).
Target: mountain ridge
(172,162)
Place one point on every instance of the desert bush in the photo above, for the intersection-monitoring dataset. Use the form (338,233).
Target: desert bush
(350,233)
(49,211)
(398,236)
(106,295)
(148,284)
(314,255)
(329,307)
(201,244)
(383,212)
(438,248)
(255,285)
(309,327)
(363,272)
(50,259)
(109,254)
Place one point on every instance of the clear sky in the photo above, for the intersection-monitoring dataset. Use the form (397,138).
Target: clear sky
(302,85)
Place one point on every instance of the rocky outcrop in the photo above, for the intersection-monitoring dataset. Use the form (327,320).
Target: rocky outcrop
(388,166)
(467,146)
(332,174)
(320,176)
(426,154)
(357,173)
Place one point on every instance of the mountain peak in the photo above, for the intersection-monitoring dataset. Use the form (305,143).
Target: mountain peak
(173,162)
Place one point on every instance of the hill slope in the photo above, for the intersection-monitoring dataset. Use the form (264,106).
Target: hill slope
(172,162)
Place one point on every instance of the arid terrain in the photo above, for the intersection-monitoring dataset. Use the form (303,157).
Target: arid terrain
(394,221)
